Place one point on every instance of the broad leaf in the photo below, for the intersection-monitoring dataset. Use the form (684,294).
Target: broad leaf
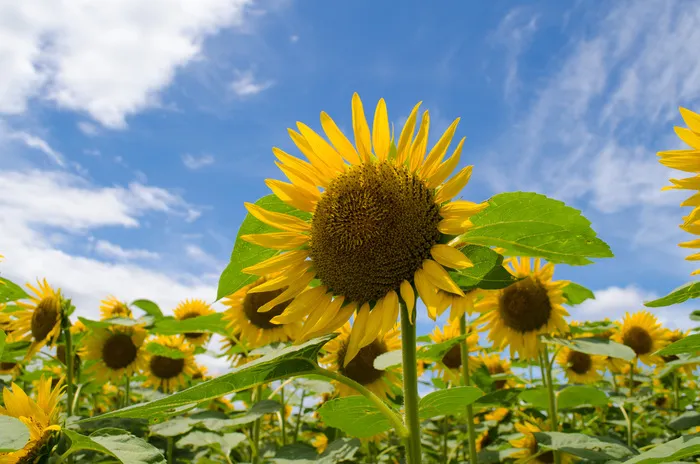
(695,315)
(9,291)
(595,346)
(499,398)
(487,273)
(149,308)
(390,359)
(689,344)
(354,415)
(116,443)
(14,351)
(576,294)
(246,254)
(577,395)
(13,434)
(452,401)
(537,397)
(530,224)
(584,446)
(341,450)
(107,323)
(160,350)
(258,410)
(173,427)
(679,295)
(674,450)
(224,443)
(210,323)
(685,421)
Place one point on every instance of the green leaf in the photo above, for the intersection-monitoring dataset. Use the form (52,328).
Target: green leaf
(498,398)
(578,395)
(695,315)
(148,307)
(258,410)
(160,350)
(2,342)
(595,346)
(674,450)
(117,443)
(685,421)
(354,415)
(530,224)
(683,360)
(679,295)
(487,273)
(108,323)
(576,294)
(210,323)
(291,361)
(452,401)
(173,427)
(537,397)
(246,254)
(13,434)
(314,386)
(341,450)
(436,351)
(199,439)
(689,344)
(14,351)
(9,291)
(386,360)
(584,446)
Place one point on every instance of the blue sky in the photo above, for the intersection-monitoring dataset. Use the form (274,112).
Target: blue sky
(131,135)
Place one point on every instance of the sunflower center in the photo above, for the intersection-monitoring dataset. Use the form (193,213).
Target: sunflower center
(546,457)
(639,340)
(660,401)
(361,368)
(192,335)
(253,301)
(498,369)
(453,358)
(166,368)
(119,351)
(6,366)
(579,362)
(524,306)
(372,229)
(45,317)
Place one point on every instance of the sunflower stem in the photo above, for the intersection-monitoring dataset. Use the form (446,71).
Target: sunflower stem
(127,388)
(546,366)
(299,414)
(445,431)
(676,394)
(256,429)
(65,323)
(283,420)
(171,450)
(464,353)
(630,413)
(410,387)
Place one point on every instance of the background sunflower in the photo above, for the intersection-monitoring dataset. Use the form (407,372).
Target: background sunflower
(170,373)
(111,307)
(450,366)
(39,322)
(643,333)
(194,308)
(117,350)
(580,367)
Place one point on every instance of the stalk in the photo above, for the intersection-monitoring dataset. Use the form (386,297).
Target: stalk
(547,372)
(676,393)
(445,430)
(127,390)
(299,413)
(410,387)
(69,365)
(283,421)
(171,450)
(464,353)
(256,430)
(630,413)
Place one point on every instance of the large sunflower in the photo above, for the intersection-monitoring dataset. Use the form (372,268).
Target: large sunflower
(528,447)
(168,374)
(381,222)
(193,308)
(643,333)
(111,307)
(361,367)
(118,351)
(580,367)
(498,366)
(257,327)
(39,322)
(521,312)
(40,417)
(450,366)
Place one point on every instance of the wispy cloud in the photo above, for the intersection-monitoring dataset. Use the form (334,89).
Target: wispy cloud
(245,84)
(112,250)
(515,33)
(194,162)
(87,128)
(40,144)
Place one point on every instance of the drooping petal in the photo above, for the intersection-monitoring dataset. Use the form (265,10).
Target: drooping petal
(277,263)
(294,289)
(454,226)
(357,334)
(374,325)
(341,318)
(390,311)
(301,306)
(408,296)
(440,277)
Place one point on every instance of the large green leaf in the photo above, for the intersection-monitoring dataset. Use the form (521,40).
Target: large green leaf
(107,323)
(689,344)
(679,295)
(674,450)
(173,427)
(246,254)
(355,416)
(14,351)
(13,434)
(293,360)
(595,346)
(530,224)
(499,398)
(161,350)
(258,410)
(149,308)
(341,450)
(537,397)
(584,446)
(487,273)
(9,291)
(117,443)
(221,442)
(210,323)
(452,401)
(685,421)
(578,395)
(576,294)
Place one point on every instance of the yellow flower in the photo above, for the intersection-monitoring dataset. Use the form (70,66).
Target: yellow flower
(78,327)
(118,351)
(39,322)
(643,333)
(168,374)
(528,447)
(497,414)
(380,226)
(199,372)
(674,336)
(40,417)
(580,367)
(193,308)
(320,442)
(361,368)
(483,440)
(517,315)
(256,327)
(450,366)
(111,307)
(10,368)
(497,366)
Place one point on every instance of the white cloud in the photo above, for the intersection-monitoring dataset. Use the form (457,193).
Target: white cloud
(196,162)
(198,254)
(515,33)
(245,84)
(112,250)
(37,143)
(294,38)
(92,152)
(87,128)
(108,60)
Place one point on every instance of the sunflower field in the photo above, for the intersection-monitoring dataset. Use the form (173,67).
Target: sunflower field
(316,314)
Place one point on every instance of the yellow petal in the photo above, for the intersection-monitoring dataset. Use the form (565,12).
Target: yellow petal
(440,277)
(403,149)
(380,131)
(341,318)
(390,310)
(301,306)
(689,183)
(322,148)
(693,216)
(436,155)
(283,280)
(277,263)
(300,166)
(426,290)
(300,181)
(361,128)
(462,208)
(450,257)
(291,195)
(329,313)
(420,143)
(453,186)
(317,312)
(690,244)
(294,289)
(279,220)
(357,333)
(454,226)
(691,119)
(688,136)
(445,169)
(339,140)
(693,257)
(408,296)
(374,325)
(313,157)
(277,240)
(459,306)
(693,200)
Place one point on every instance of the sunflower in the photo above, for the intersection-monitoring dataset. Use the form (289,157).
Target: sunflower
(450,366)
(521,312)
(580,367)
(663,401)
(40,417)
(111,307)
(528,447)
(11,368)
(319,441)
(380,228)
(643,333)
(361,368)
(118,351)
(193,308)
(254,326)
(674,336)
(497,414)
(483,440)
(168,374)
(498,366)
(39,322)
(200,372)
(221,404)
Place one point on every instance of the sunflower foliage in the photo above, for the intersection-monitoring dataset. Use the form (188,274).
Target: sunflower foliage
(330,278)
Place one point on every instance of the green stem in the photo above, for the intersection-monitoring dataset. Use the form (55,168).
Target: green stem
(127,390)
(464,352)
(445,431)
(630,413)
(283,422)
(676,393)
(171,450)
(256,429)
(69,365)
(299,414)
(547,371)
(410,387)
